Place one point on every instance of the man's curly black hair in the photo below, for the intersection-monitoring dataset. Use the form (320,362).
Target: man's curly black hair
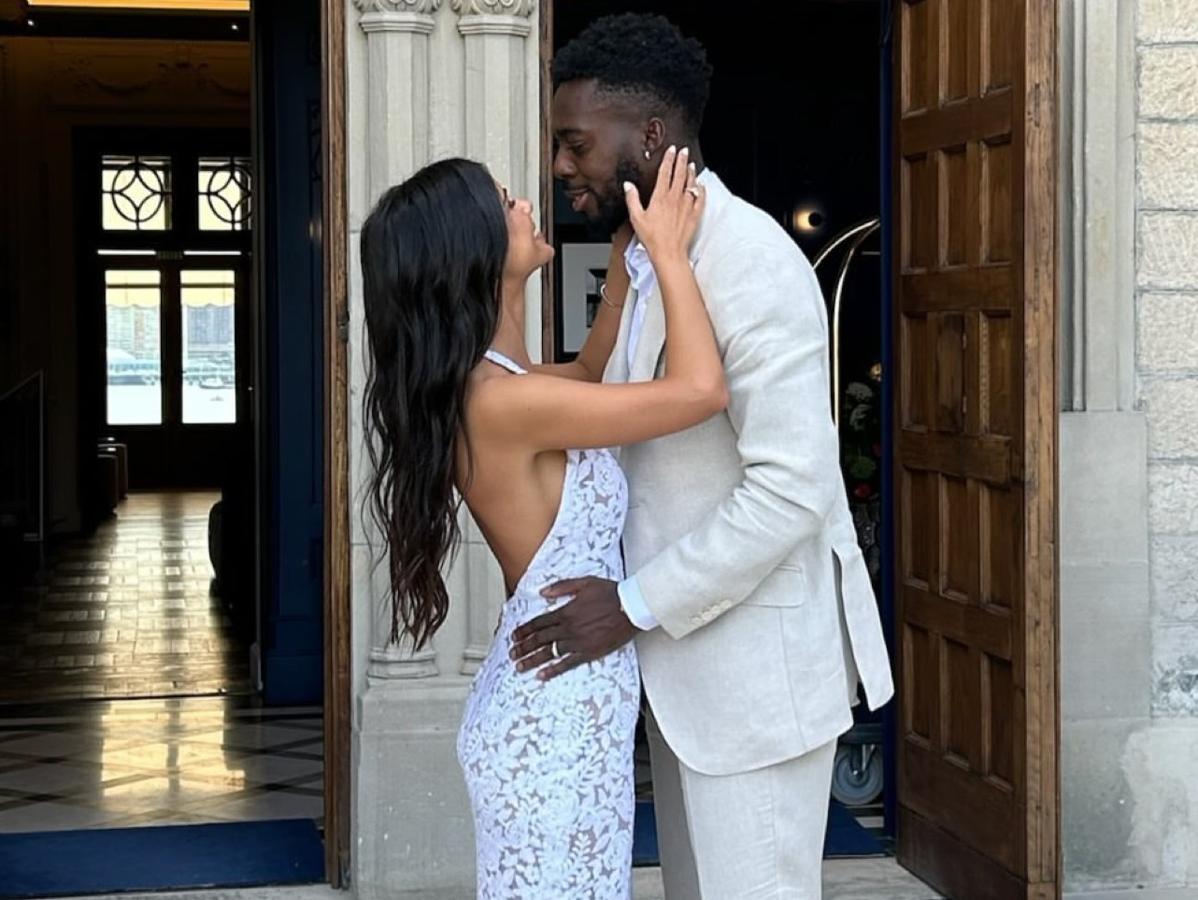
(640,54)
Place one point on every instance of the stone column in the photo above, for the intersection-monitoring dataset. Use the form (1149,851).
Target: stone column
(397,128)
(485,595)
(1098,206)
(496,34)
(496,116)
(397,33)
(435,79)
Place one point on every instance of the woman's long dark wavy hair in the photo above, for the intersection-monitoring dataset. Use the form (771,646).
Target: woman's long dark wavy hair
(433,251)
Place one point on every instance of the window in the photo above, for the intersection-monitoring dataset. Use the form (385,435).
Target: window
(137,193)
(172,240)
(207,302)
(133,301)
(225,194)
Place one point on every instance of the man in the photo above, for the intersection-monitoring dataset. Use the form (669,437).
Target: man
(747,594)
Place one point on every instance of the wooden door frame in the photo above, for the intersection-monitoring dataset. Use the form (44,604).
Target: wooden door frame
(545,67)
(1042,373)
(338,678)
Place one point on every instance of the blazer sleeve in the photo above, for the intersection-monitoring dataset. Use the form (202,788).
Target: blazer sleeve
(771,326)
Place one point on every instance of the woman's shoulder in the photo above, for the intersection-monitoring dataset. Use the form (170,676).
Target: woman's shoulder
(495,398)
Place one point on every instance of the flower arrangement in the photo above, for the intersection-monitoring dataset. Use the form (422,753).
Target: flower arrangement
(861,460)
(861,437)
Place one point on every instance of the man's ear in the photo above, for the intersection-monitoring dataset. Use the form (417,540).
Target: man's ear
(655,138)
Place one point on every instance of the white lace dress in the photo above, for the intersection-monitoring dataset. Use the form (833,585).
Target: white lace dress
(549,764)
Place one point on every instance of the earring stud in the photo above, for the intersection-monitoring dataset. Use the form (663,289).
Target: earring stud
(648,155)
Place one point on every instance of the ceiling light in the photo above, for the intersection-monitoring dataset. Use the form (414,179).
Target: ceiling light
(149,5)
(807,218)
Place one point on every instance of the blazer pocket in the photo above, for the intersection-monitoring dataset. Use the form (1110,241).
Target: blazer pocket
(786,586)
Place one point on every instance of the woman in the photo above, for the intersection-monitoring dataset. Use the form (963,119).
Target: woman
(457,410)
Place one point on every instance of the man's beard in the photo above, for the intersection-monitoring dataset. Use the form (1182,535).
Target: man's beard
(613,209)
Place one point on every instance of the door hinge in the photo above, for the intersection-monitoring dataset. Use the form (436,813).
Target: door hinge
(343,325)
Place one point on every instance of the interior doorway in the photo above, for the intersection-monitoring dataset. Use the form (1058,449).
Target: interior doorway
(766,136)
(170,288)
(939,120)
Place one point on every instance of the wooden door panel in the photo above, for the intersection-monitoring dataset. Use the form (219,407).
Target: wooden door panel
(975,444)
(986,816)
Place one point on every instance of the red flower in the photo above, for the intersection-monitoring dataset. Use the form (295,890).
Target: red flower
(863,492)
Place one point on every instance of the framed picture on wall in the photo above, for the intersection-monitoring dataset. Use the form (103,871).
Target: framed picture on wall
(583,271)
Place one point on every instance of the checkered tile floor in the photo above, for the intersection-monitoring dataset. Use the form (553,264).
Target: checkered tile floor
(169,761)
(127,612)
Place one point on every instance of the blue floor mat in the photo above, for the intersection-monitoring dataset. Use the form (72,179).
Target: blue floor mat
(845,836)
(644,835)
(99,861)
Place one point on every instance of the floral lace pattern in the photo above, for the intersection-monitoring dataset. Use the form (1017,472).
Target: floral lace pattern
(548,765)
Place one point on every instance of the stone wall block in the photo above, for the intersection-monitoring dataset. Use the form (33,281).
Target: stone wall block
(1168,332)
(1168,253)
(1173,499)
(1169,82)
(1172,406)
(1168,162)
(1167,21)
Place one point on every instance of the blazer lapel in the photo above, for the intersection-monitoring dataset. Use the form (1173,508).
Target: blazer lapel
(652,340)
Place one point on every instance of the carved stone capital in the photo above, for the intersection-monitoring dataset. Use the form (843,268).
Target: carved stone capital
(514,8)
(412,16)
(420,7)
(505,17)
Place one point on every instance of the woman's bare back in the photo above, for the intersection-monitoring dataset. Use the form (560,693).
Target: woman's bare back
(513,493)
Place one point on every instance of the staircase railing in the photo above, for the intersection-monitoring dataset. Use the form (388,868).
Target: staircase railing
(23,456)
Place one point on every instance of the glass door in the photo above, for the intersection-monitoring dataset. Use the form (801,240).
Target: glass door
(169,250)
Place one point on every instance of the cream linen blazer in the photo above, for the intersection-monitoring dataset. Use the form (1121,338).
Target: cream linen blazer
(739,530)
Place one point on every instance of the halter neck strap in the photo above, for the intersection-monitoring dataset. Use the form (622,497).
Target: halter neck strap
(503,362)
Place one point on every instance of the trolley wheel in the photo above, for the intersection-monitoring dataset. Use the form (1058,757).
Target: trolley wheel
(857,774)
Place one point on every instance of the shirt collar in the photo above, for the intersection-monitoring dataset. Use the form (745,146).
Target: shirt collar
(636,257)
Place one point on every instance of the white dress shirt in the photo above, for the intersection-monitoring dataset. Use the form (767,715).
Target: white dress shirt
(644,282)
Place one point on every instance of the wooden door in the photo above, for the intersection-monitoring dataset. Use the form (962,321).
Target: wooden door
(975,445)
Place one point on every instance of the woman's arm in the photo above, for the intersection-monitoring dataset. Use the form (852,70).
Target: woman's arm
(592,358)
(554,413)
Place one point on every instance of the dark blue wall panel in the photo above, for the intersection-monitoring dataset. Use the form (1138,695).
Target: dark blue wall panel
(287,68)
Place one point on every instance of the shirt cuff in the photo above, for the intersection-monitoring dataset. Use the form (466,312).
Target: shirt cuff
(632,601)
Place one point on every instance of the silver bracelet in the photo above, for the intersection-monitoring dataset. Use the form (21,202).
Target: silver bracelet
(606,299)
